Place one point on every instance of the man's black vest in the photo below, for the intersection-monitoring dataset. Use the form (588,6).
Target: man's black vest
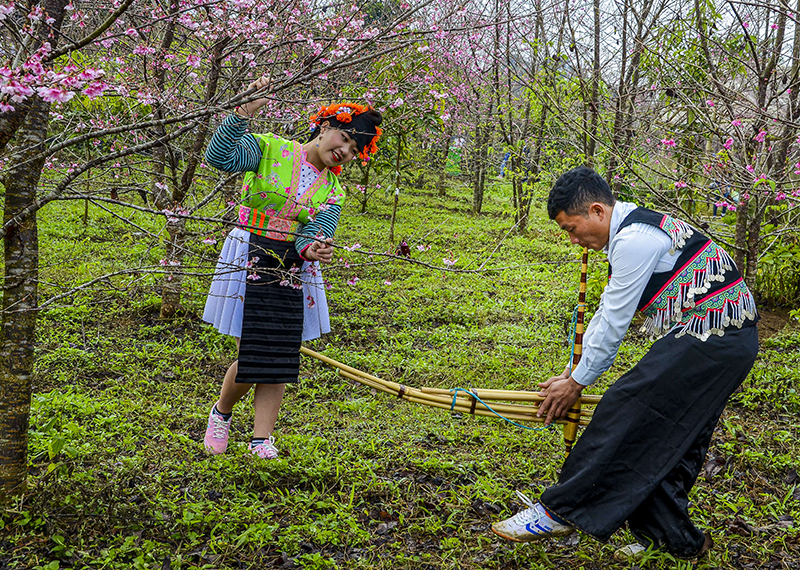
(703,294)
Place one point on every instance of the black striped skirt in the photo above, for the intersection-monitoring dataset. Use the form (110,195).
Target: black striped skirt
(272,324)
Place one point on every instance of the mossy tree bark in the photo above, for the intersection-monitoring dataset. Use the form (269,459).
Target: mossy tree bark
(443,161)
(20,280)
(19,288)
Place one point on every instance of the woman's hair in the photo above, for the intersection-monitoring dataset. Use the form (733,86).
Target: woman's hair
(360,121)
(575,190)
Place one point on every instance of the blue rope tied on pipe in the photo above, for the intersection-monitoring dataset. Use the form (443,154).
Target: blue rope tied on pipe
(455,392)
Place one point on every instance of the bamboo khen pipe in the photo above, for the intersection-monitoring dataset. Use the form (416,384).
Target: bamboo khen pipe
(463,405)
(463,401)
(442,398)
(574,413)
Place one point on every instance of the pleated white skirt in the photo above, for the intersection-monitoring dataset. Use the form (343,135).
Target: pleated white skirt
(225,303)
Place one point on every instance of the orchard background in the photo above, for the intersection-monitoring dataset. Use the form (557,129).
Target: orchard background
(112,224)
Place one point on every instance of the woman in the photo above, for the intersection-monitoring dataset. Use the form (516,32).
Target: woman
(290,207)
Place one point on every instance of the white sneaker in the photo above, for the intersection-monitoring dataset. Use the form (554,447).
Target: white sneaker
(530,524)
(629,551)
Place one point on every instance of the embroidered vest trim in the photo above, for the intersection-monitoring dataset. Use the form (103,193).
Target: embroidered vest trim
(257,222)
(669,300)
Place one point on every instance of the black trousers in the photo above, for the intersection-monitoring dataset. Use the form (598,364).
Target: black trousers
(646,443)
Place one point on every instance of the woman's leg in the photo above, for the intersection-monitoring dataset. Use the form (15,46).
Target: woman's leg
(267,402)
(231,391)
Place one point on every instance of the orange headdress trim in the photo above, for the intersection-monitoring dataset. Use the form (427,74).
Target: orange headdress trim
(344,113)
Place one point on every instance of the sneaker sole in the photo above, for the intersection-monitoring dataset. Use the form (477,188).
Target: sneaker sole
(501,535)
(212,451)
(536,537)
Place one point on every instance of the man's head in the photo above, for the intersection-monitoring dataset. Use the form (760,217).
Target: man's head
(581,204)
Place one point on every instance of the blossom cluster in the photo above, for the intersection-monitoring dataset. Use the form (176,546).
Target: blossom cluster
(54,86)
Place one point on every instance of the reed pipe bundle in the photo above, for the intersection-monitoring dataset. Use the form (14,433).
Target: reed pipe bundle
(464,403)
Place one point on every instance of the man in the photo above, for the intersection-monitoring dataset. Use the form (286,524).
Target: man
(640,455)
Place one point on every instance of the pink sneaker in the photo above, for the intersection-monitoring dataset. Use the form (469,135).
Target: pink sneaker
(216,440)
(265,449)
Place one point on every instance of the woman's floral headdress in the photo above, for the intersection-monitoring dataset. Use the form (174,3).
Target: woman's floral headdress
(362,130)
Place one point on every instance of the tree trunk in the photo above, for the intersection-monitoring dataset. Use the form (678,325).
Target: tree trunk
(20,280)
(443,165)
(176,251)
(740,235)
(594,105)
(173,274)
(753,247)
(532,173)
(481,156)
(396,186)
(364,186)
(21,272)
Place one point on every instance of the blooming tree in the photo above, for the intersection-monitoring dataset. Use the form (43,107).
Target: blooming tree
(107,105)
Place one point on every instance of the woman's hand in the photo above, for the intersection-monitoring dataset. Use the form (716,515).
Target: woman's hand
(320,250)
(249,109)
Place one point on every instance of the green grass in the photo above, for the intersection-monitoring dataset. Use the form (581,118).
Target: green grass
(119,479)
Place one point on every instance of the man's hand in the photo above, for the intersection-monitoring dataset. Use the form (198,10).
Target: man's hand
(559,393)
(320,251)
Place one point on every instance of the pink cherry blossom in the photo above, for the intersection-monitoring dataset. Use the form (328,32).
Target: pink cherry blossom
(55,94)
(96,89)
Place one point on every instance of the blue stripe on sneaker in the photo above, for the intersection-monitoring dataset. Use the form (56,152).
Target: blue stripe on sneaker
(539,529)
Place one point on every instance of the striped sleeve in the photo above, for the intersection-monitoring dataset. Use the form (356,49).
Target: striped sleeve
(232,148)
(325,224)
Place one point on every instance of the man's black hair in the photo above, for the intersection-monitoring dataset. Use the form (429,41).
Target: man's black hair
(575,190)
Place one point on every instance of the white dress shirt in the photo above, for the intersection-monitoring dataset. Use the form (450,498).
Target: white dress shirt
(635,253)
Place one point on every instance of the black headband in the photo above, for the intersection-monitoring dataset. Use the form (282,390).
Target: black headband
(361,128)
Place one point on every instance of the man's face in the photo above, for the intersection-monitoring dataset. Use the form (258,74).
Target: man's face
(588,230)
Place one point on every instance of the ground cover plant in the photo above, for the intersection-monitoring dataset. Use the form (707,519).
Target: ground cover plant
(119,479)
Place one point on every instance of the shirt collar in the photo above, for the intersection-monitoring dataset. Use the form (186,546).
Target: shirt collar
(618,214)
